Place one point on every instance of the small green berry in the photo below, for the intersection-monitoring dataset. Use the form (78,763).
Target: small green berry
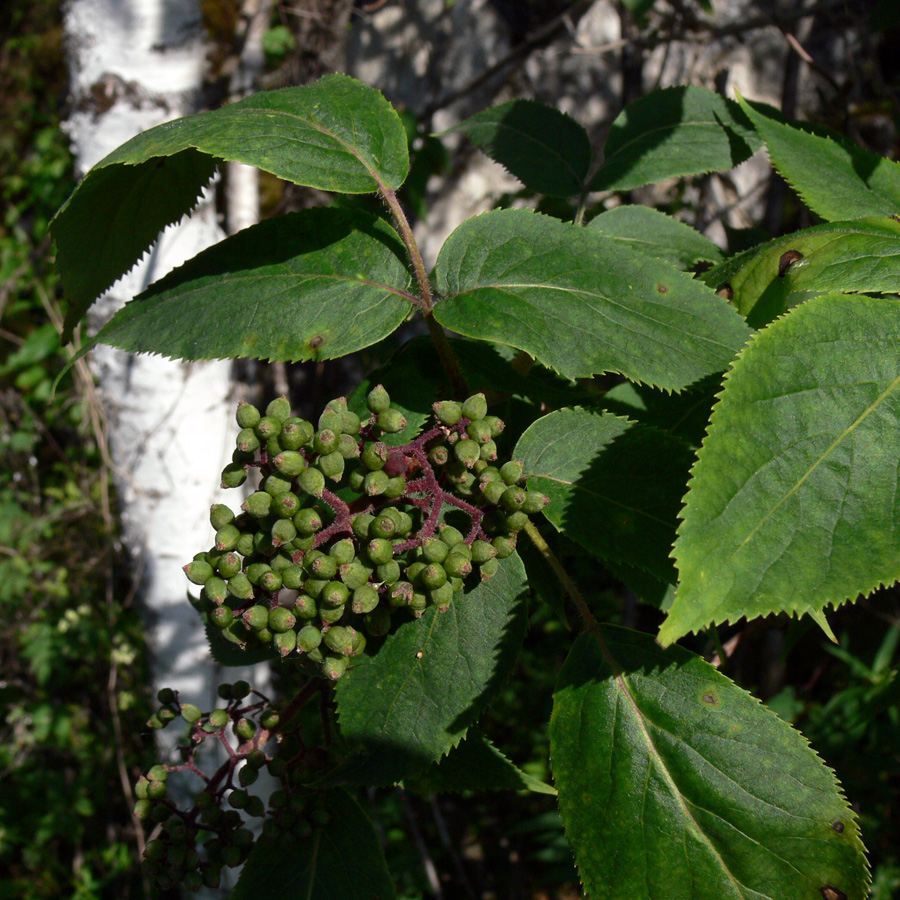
(448,412)
(334,667)
(218,718)
(374,455)
(312,481)
(535,501)
(227,538)
(332,465)
(198,572)
(475,407)
(257,617)
(379,550)
(219,515)
(245,729)
(378,400)
(308,638)
(247,440)
(190,713)
(378,622)
(280,408)
(467,452)
(365,599)
(233,475)
(512,471)
(281,619)
(391,421)
(285,642)
(289,463)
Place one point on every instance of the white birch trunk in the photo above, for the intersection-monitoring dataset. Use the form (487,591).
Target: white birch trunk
(135,64)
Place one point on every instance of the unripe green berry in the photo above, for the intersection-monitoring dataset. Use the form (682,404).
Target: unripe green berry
(335,595)
(322,565)
(450,536)
(227,538)
(458,565)
(391,421)
(379,550)
(283,532)
(405,523)
(395,487)
(334,667)
(218,718)
(273,447)
(158,773)
(216,590)
(305,607)
(295,434)
(314,587)
(229,564)
(496,425)
(221,617)
(219,515)
(378,400)
(339,639)
(350,423)
(256,759)
(312,481)
(143,809)
(365,599)
(267,426)
(269,720)
(375,483)
(442,596)
(349,446)
(276,485)
(233,475)
(165,715)
(190,713)
(281,619)
(285,642)
(435,550)
(239,586)
(359,643)
(512,471)
(389,572)
(255,571)
(198,572)
(280,408)
(479,431)
(512,498)
(488,453)
(247,440)
(286,505)
(244,545)
(535,501)
(264,635)
(308,638)
(245,729)
(238,799)
(326,441)
(516,521)
(374,455)
(166,695)
(439,455)
(289,463)
(488,569)
(418,603)
(257,617)
(361,525)
(482,551)
(307,521)
(467,452)
(401,594)
(433,576)
(332,465)
(354,574)
(448,412)
(475,407)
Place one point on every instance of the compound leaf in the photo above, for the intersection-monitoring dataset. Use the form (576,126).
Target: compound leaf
(317,284)
(580,302)
(834,178)
(861,255)
(336,135)
(599,468)
(477,765)
(548,151)
(341,858)
(652,232)
(793,502)
(674,132)
(675,784)
(411,703)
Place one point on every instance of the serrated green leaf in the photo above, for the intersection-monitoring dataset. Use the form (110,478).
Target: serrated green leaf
(792,505)
(862,255)
(673,132)
(599,468)
(477,765)
(674,783)
(652,232)
(403,710)
(342,860)
(317,284)
(580,302)
(835,178)
(548,151)
(335,134)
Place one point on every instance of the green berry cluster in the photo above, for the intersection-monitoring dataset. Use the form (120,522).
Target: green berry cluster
(193,846)
(345,529)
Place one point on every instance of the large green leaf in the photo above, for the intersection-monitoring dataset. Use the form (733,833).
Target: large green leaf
(615,486)
(793,502)
(675,784)
(317,284)
(834,178)
(673,132)
(548,151)
(335,134)
(581,302)
(656,234)
(477,765)
(862,255)
(340,860)
(411,703)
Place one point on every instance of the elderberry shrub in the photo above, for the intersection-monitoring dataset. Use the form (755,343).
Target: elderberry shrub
(344,531)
